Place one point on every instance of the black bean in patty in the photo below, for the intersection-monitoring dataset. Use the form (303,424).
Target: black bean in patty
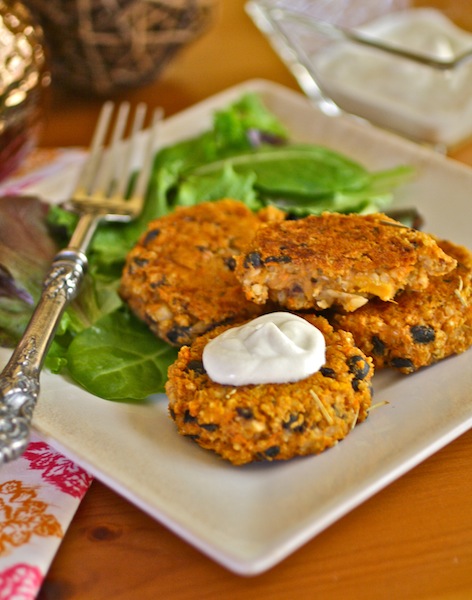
(209,426)
(278,259)
(253,259)
(422,334)
(197,366)
(378,347)
(272,452)
(358,366)
(178,335)
(245,412)
(402,363)
(150,236)
(328,372)
(188,418)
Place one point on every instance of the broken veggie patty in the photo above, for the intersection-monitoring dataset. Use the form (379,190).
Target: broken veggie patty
(336,259)
(418,328)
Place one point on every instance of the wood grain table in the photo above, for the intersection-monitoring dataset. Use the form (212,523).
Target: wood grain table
(412,540)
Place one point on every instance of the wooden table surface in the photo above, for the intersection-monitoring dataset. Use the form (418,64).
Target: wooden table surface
(413,540)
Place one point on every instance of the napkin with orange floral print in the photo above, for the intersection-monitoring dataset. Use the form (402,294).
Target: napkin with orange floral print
(40,491)
(39,494)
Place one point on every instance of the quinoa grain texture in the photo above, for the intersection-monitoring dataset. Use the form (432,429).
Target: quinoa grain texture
(179,278)
(271,422)
(418,328)
(337,260)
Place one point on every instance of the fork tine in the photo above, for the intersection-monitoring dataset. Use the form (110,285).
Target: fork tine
(89,170)
(126,168)
(114,183)
(107,174)
(145,171)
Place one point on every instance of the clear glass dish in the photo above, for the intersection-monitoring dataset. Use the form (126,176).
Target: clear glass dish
(403,65)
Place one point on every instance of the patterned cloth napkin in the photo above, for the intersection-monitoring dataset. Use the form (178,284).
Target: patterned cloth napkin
(39,492)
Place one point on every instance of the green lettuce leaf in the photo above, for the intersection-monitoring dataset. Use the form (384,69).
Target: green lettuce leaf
(118,358)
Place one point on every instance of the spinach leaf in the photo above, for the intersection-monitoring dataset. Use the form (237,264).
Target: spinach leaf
(118,358)
(299,179)
(221,184)
(295,171)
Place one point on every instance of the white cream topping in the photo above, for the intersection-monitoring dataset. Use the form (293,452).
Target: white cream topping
(278,347)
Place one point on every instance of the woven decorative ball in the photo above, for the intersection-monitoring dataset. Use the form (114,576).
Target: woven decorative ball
(104,46)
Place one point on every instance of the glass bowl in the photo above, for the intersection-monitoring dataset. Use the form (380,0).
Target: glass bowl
(401,64)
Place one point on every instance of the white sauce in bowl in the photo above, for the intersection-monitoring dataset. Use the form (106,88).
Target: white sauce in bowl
(416,100)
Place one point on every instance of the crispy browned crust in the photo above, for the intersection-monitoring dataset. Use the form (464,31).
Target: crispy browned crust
(272,421)
(336,259)
(418,328)
(180,279)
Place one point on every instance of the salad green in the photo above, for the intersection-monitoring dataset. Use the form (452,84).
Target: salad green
(246,155)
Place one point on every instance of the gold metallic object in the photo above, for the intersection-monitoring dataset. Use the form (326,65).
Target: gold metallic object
(23,78)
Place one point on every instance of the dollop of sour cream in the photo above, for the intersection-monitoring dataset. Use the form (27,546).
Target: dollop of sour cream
(278,347)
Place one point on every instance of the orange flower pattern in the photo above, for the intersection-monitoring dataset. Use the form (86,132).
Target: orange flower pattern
(22,515)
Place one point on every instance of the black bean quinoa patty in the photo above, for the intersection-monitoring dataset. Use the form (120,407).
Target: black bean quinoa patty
(179,278)
(418,328)
(269,422)
(335,259)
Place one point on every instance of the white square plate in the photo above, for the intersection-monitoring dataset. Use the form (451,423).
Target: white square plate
(250,518)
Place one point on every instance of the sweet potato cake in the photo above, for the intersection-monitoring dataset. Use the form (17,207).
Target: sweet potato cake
(335,259)
(419,328)
(179,278)
(267,422)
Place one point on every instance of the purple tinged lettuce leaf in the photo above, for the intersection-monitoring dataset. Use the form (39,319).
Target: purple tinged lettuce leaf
(26,251)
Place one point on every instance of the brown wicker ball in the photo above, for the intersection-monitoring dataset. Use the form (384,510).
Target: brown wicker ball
(104,46)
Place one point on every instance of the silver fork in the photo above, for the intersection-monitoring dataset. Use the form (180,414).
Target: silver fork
(103,194)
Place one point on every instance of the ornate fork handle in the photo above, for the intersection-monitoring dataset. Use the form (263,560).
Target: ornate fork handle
(19,381)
